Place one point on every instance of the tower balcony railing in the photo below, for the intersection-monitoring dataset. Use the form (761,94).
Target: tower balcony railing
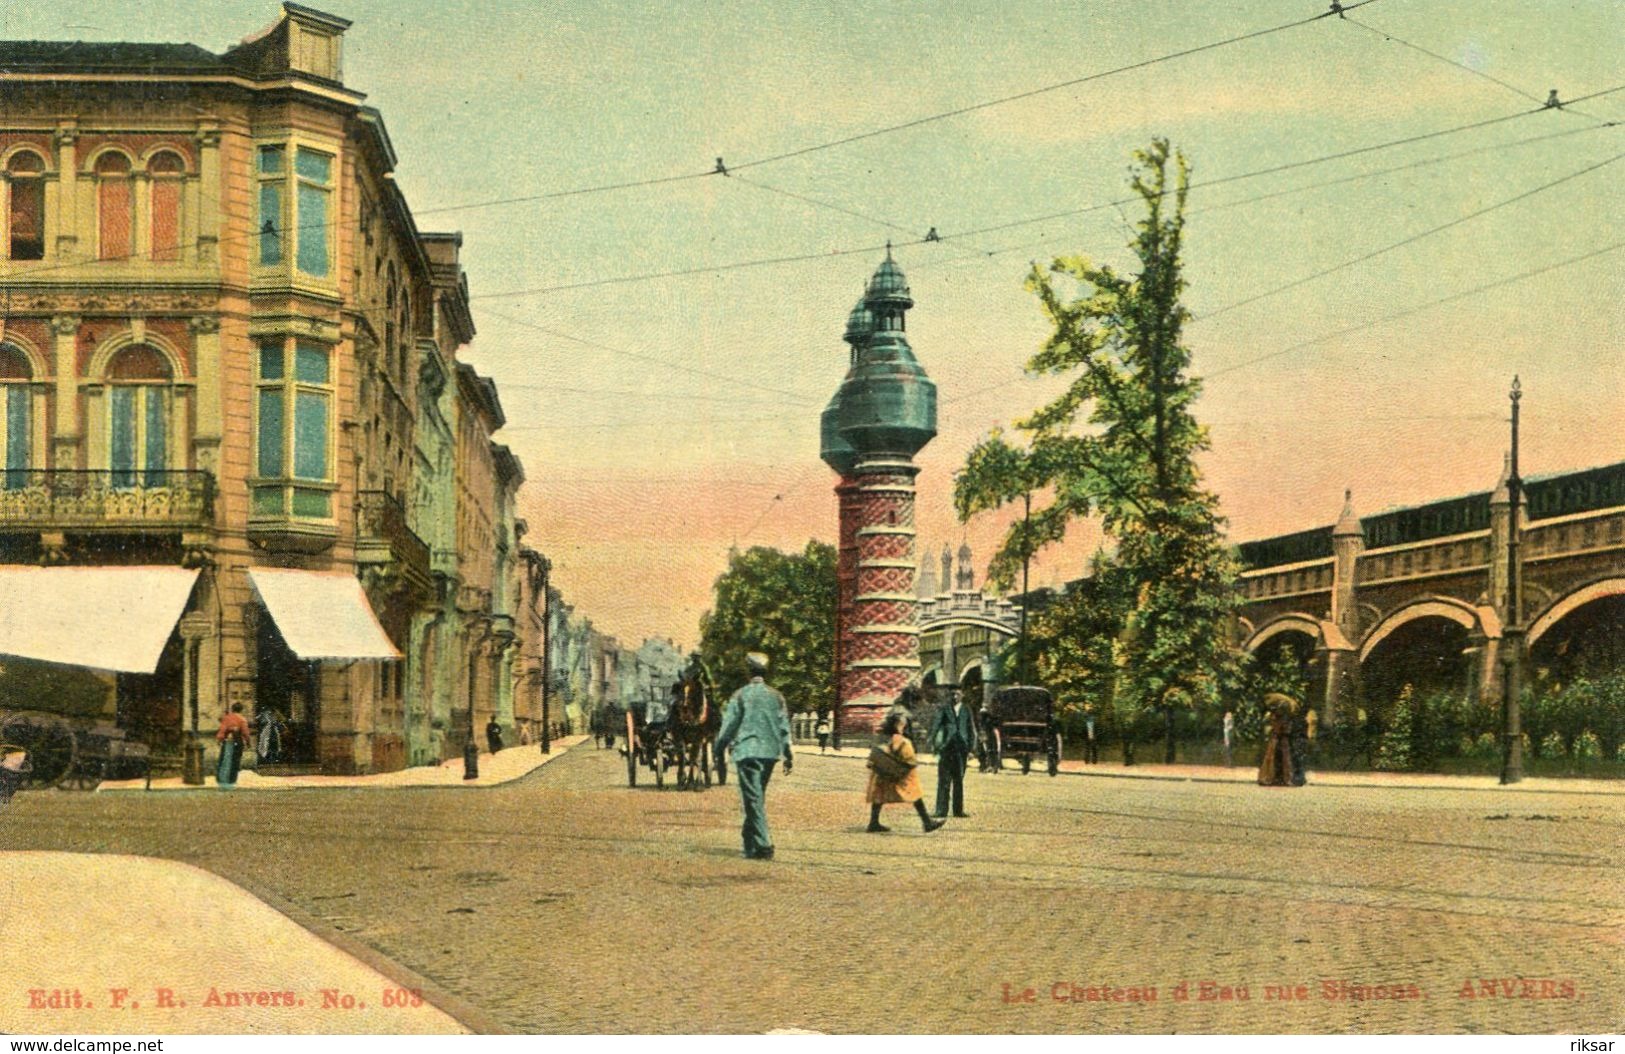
(99,499)
(383,536)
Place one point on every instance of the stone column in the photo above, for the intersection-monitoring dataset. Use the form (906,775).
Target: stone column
(209,193)
(206,372)
(884,655)
(66,212)
(1341,645)
(65,442)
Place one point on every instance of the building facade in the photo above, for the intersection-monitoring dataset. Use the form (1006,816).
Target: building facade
(227,349)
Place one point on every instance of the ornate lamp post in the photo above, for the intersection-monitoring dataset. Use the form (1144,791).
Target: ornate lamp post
(1512,632)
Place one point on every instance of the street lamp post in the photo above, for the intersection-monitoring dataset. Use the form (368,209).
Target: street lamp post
(1512,632)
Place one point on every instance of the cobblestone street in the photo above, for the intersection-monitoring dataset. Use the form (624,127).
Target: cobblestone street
(567,902)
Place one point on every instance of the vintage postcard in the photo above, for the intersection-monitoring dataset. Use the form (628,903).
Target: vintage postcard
(816,516)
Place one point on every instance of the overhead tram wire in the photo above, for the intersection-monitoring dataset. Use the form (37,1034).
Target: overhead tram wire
(1305,188)
(1043,90)
(1417,309)
(668,363)
(1403,242)
(1030,220)
(930,235)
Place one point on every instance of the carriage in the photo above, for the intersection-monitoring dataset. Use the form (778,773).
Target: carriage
(66,750)
(1024,717)
(683,743)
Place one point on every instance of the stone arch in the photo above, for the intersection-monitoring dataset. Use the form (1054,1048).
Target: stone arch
(1457,611)
(145,159)
(1295,621)
(30,353)
(102,357)
(87,166)
(44,156)
(1573,601)
(973,665)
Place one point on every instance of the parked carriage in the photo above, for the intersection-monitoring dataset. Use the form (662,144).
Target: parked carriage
(64,750)
(1024,719)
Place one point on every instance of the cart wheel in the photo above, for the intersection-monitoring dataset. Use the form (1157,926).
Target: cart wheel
(1026,764)
(87,774)
(50,745)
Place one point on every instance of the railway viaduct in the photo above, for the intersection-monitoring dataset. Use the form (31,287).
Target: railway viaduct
(1419,594)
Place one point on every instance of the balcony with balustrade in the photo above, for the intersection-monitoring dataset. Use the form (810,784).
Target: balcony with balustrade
(56,500)
(386,544)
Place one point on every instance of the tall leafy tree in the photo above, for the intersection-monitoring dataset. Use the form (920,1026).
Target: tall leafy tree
(782,604)
(1120,443)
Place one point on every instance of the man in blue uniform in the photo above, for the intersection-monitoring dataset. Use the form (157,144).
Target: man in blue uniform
(756,726)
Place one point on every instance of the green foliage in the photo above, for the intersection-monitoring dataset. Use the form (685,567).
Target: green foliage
(1394,752)
(1120,443)
(782,604)
(1073,639)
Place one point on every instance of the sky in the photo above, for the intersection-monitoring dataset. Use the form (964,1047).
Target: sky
(663,420)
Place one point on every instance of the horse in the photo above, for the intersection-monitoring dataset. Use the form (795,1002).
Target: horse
(692,730)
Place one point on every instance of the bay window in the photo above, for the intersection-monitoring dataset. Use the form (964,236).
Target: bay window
(293,430)
(296,223)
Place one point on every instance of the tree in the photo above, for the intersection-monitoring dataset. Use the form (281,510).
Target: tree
(782,604)
(1394,753)
(1121,443)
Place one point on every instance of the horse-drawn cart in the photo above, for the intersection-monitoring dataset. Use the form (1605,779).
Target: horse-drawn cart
(681,739)
(76,752)
(1024,717)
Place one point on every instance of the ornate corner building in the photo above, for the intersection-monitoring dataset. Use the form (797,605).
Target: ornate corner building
(226,349)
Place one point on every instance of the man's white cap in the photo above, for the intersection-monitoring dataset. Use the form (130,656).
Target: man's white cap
(756,661)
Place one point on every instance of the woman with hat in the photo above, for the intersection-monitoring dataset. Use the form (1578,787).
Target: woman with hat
(1276,768)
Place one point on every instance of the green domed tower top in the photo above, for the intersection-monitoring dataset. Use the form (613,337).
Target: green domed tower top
(837,452)
(887,405)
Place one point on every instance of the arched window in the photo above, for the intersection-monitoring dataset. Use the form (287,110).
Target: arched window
(115,208)
(138,385)
(16,432)
(406,335)
(167,171)
(25,209)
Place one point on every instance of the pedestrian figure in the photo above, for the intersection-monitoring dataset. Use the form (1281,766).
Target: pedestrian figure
(1275,769)
(1091,745)
(756,727)
(953,739)
(232,737)
(1229,736)
(269,743)
(900,782)
(493,736)
(821,730)
(1298,742)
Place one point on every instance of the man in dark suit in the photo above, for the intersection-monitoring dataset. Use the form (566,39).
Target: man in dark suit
(954,740)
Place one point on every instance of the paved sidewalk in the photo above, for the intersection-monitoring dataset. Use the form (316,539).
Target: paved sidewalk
(191,953)
(1248,774)
(495,769)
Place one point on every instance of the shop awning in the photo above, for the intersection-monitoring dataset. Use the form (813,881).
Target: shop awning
(104,618)
(322,615)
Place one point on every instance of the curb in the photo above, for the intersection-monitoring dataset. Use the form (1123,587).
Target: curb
(473,785)
(1332,781)
(468,1015)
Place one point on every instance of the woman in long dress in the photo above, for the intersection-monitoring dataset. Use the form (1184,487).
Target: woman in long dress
(232,737)
(882,791)
(1275,770)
